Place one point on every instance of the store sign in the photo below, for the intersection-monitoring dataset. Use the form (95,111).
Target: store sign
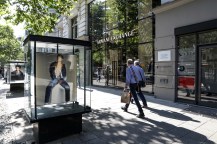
(116,37)
(164,55)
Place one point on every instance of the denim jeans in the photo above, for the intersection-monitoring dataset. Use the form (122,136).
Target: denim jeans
(52,84)
(135,89)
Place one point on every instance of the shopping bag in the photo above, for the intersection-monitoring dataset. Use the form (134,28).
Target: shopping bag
(125,97)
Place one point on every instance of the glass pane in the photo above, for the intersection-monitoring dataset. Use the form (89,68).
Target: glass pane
(29,79)
(209,74)
(88,89)
(186,67)
(145,30)
(144,7)
(145,53)
(208,37)
(187,54)
(187,41)
(112,14)
(60,79)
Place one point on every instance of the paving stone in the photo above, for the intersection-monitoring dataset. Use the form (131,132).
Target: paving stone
(95,141)
(87,137)
(194,136)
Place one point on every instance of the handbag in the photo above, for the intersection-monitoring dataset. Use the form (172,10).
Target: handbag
(125,97)
(142,83)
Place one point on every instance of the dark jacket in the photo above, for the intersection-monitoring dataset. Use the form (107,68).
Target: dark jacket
(52,70)
(14,76)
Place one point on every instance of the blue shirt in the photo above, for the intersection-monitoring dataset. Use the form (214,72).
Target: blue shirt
(139,73)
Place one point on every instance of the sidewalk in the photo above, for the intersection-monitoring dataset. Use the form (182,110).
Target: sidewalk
(166,122)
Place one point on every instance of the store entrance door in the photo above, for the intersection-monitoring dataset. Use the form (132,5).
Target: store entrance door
(207,76)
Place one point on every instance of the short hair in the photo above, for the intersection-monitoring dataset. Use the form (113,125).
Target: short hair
(60,55)
(129,61)
(136,62)
(18,66)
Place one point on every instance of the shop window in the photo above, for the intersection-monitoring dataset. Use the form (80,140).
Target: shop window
(145,56)
(208,37)
(186,66)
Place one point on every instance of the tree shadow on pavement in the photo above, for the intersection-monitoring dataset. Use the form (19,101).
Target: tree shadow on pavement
(22,129)
(113,127)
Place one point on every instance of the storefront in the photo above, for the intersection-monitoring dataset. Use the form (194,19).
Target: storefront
(186,32)
(120,30)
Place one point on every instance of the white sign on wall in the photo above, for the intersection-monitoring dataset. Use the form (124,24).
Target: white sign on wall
(164,55)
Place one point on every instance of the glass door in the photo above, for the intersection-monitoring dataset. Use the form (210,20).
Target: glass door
(186,68)
(208,76)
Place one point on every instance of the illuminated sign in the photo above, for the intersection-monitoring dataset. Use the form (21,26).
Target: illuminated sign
(116,37)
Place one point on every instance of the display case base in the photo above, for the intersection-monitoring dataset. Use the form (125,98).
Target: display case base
(17,87)
(51,129)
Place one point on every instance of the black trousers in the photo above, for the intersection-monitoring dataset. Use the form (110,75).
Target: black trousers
(135,90)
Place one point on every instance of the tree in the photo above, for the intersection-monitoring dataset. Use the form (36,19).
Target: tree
(10,47)
(39,16)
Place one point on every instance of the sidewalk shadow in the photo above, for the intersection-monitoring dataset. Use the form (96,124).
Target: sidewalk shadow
(22,129)
(111,127)
(209,112)
(171,114)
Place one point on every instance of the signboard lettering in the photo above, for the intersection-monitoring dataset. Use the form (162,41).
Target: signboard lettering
(116,37)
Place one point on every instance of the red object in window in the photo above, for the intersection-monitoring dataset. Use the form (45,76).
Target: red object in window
(186,82)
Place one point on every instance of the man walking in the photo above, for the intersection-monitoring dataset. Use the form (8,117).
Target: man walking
(134,74)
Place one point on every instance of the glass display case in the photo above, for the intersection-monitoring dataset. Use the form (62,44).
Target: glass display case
(56,83)
(57,88)
(15,71)
(15,77)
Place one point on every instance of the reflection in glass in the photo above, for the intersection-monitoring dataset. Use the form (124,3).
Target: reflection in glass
(144,8)
(116,18)
(145,56)
(208,37)
(186,67)
(208,74)
(145,30)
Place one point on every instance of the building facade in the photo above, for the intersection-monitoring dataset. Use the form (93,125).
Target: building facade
(174,41)
(76,26)
(121,30)
(185,51)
